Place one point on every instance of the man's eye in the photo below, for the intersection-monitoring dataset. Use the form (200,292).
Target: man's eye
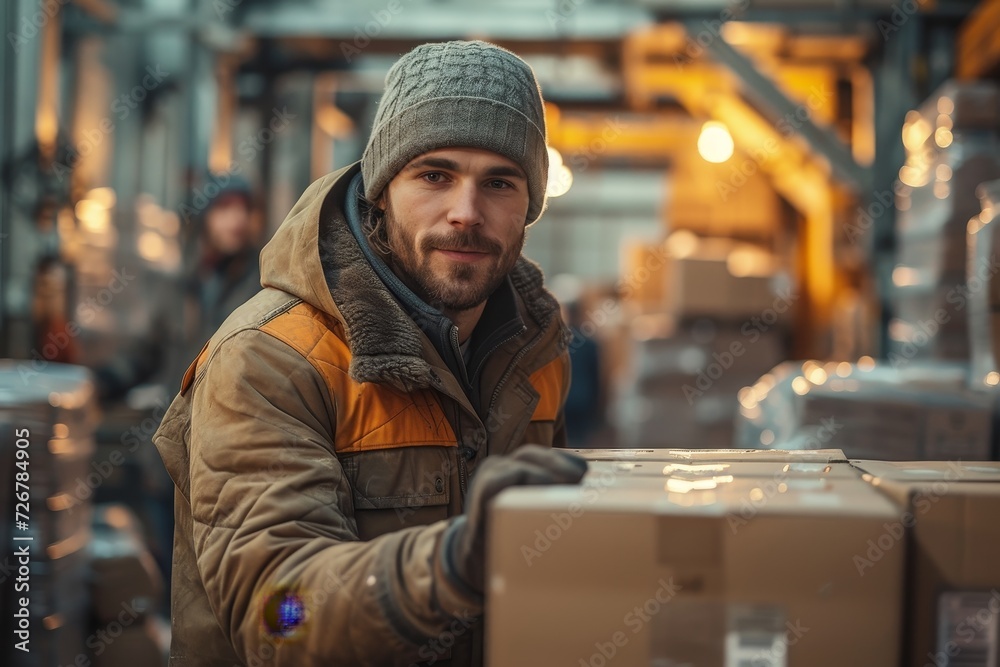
(434,177)
(500,185)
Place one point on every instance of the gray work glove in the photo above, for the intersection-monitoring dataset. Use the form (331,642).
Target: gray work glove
(464,543)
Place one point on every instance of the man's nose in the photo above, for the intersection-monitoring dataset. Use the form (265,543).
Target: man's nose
(465,204)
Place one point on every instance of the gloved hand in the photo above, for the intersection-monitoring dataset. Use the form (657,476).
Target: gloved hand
(464,544)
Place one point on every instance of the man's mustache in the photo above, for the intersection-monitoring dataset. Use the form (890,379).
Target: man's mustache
(463,242)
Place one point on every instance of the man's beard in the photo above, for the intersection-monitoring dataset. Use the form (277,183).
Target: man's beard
(460,286)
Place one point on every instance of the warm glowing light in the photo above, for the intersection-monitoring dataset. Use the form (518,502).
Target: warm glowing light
(915,133)
(676,485)
(944,121)
(943,172)
(151,246)
(170,223)
(942,137)
(334,122)
(766,437)
(992,378)
(945,105)
(913,176)
(93,217)
(843,369)
(800,386)
(941,190)
(748,261)
(905,275)
(715,144)
(817,376)
(103,196)
(682,243)
(747,398)
(560,177)
(866,363)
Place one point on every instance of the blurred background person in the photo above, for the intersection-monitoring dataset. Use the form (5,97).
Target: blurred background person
(586,402)
(220,271)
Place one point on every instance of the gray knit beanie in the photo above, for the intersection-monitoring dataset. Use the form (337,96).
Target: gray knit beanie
(470,94)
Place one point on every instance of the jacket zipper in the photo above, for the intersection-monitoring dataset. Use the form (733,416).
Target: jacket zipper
(510,369)
(462,469)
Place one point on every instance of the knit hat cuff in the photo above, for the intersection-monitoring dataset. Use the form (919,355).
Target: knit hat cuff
(458,121)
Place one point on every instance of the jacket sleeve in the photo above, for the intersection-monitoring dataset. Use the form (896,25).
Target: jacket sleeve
(272,511)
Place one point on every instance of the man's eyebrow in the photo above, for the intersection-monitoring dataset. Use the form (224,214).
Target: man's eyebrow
(451,165)
(439,162)
(514,172)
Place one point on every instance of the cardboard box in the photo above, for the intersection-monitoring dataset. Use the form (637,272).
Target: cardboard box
(777,470)
(901,423)
(953,578)
(779,455)
(641,575)
(919,471)
(922,411)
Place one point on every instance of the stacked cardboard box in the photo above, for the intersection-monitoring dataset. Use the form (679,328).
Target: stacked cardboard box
(922,411)
(949,153)
(984,301)
(953,578)
(697,567)
(687,276)
(678,386)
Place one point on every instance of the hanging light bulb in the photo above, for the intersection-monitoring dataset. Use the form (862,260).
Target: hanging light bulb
(715,144)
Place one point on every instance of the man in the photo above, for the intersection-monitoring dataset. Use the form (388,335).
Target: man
(330,444)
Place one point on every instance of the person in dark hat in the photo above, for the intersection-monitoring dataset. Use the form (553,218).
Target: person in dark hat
(336,445)
(220,271)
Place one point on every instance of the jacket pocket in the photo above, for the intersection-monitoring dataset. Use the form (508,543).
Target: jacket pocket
(400,487)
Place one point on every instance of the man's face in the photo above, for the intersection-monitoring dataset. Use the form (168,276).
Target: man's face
(455,222)
(229,225)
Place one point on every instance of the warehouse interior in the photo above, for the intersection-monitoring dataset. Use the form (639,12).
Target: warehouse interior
(769,226)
